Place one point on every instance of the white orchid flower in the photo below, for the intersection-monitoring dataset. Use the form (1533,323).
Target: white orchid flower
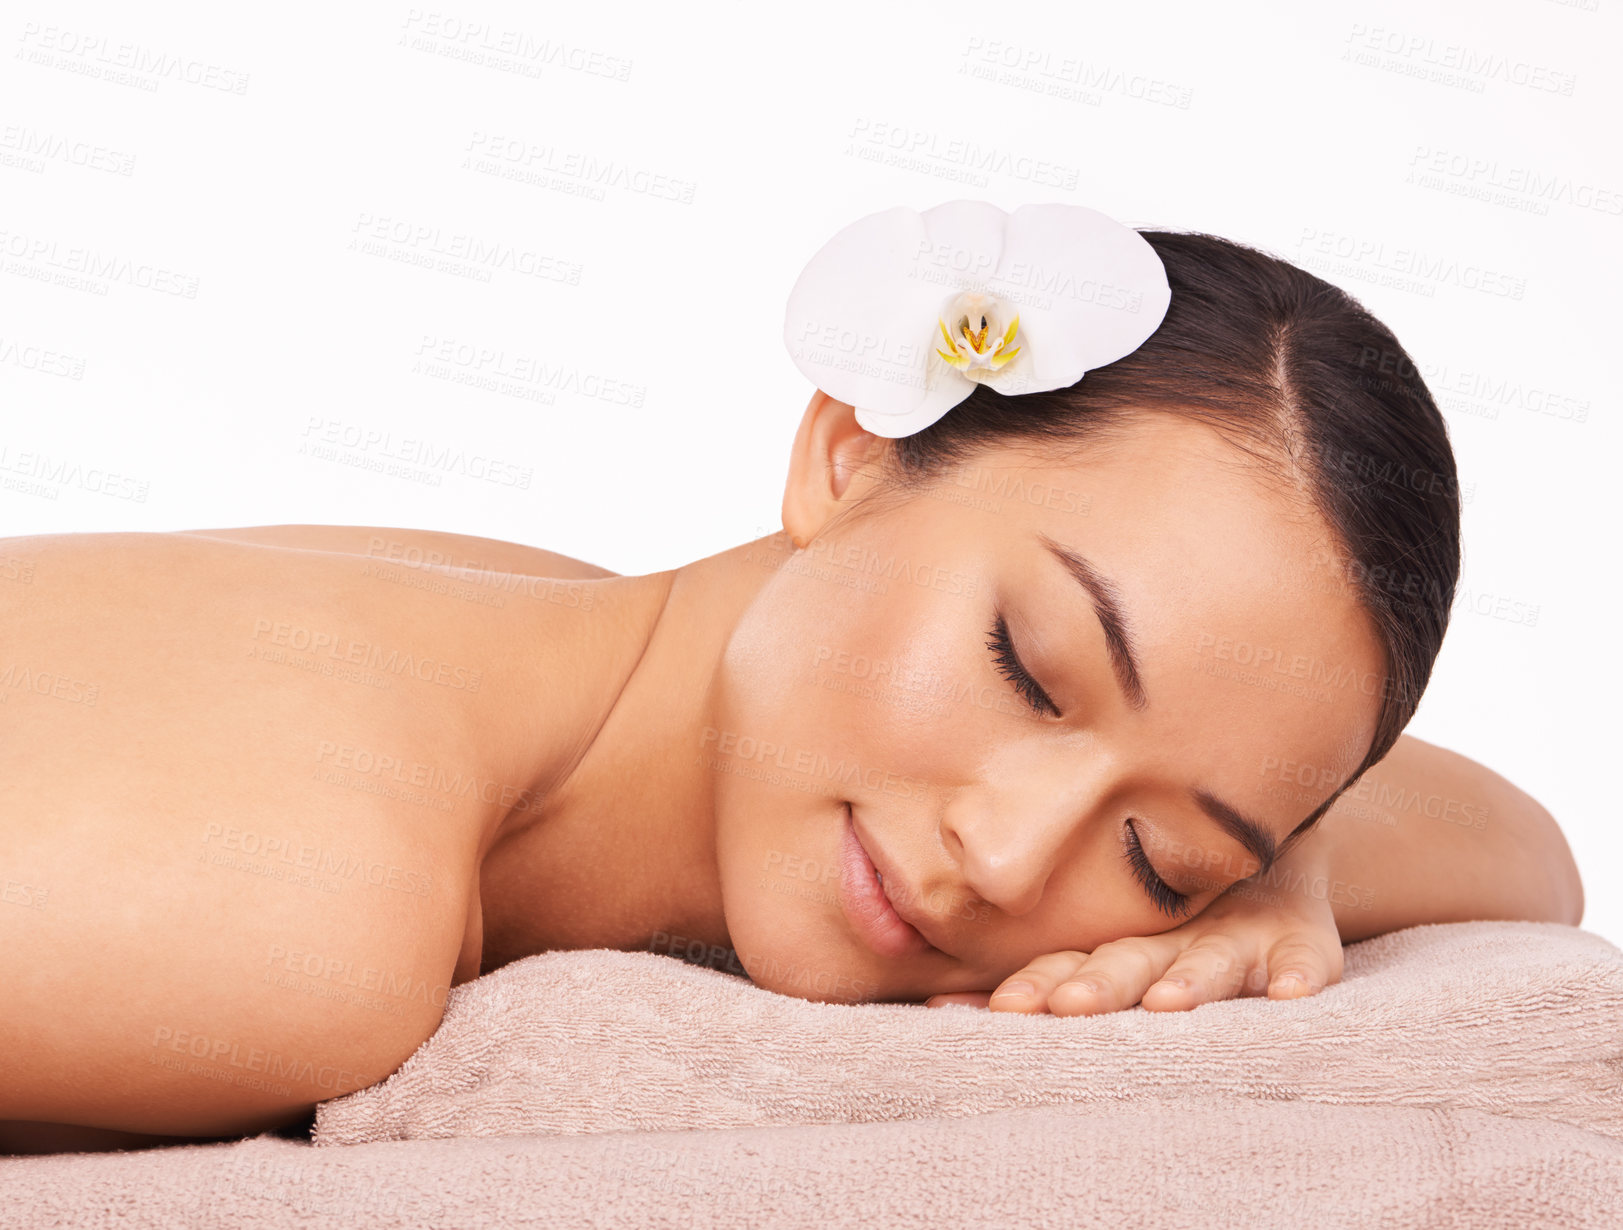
(902,313)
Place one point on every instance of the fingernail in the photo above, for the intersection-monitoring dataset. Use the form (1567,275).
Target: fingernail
(1014,988)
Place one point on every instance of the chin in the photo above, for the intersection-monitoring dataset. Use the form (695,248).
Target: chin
(790,938)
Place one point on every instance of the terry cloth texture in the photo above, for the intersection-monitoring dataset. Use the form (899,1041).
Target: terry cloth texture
(1521,1019)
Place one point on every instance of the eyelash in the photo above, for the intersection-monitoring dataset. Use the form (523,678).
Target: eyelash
(1168,900)
(1009,665)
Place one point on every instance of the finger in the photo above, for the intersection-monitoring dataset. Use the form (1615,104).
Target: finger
(1212,968)
(974,999)
(1115,976)
(1297,967)
(1028,990)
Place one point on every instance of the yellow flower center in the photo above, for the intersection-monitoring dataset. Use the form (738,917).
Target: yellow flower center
(979,330)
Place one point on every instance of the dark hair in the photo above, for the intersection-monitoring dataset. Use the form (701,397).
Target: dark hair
(1297,372)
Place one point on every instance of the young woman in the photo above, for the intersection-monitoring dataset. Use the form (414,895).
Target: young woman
(1093,696)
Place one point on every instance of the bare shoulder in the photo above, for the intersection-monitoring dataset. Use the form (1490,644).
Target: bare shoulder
(417,548)
(1450,772)
(1456,787)
(1444,784)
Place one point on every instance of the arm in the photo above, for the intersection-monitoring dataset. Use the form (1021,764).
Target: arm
(1428,836)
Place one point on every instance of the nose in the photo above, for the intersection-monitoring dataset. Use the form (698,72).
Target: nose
(1010,829)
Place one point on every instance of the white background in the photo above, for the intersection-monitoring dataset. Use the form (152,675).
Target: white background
(234,353)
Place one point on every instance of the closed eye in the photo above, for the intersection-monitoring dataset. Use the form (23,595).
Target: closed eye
(1167,899)
(1008,662)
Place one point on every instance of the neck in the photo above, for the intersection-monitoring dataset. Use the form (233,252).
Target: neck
(621,851)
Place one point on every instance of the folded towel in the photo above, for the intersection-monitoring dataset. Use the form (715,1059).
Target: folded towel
(1191,1165)
(1524,1019)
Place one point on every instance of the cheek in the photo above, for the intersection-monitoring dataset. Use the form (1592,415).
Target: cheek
(826,695)
(844,693)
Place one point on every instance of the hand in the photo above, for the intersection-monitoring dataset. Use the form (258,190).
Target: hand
(1283,946)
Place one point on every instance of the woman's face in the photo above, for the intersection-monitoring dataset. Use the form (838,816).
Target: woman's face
(1180,653)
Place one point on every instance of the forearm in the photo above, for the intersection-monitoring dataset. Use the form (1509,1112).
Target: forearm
(1429,836)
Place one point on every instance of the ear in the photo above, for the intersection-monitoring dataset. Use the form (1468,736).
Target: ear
(830,448)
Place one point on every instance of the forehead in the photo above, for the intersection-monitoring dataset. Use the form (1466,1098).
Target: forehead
(1254,648)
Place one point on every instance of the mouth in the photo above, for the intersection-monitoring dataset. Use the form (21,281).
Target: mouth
(866,905)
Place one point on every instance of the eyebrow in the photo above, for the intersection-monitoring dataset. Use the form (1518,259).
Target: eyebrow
(1106,604)
(1257,840)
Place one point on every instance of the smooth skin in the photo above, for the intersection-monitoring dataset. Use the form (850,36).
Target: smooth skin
(672,756)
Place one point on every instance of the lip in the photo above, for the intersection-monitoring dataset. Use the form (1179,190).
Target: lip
(867,905)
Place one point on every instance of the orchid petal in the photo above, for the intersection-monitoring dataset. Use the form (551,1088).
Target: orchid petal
(1075,288)
(852,320)
(1091,290)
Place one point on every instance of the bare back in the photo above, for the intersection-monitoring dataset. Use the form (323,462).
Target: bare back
(250,778)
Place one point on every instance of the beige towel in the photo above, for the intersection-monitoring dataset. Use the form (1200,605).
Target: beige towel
(1190,1165)
(1218,1117)
(1524,1019)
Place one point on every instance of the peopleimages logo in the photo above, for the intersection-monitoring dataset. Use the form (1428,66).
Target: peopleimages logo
(275,1065)
(1316,674)
(1535,185)
(105,266)
(323,861)
(806,763)
(1470,62)
(365,441)
(64,473)
(854,558)
(476,250)
(366,653)
(413,773)
(96,55)
(34,147)
(1403,268)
